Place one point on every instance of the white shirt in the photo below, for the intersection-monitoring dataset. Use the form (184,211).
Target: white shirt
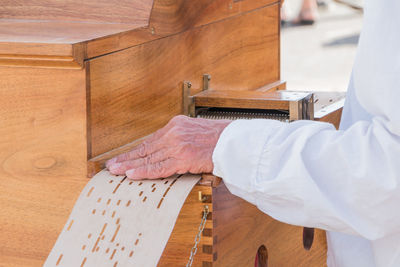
(346,182)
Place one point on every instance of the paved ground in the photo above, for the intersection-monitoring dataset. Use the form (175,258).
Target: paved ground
(320,57)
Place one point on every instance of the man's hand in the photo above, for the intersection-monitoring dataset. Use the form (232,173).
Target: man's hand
(183,145)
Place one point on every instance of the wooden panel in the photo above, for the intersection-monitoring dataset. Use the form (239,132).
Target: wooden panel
(174,16)
(57,32)
(44,37)
(12,48)
(43,158)
(241,228)
(136,91)
(121,11)
(181,241)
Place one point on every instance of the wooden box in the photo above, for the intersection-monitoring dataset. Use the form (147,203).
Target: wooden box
(78,79)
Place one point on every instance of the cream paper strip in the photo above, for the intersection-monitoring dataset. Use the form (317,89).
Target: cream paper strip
(119,222)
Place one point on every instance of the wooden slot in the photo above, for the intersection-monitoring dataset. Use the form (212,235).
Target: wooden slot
(90,191)
(83,262)
(115,233)
(59,260)
(113,253)
(70,225)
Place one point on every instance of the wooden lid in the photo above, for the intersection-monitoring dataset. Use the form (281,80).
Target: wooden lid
(43,32)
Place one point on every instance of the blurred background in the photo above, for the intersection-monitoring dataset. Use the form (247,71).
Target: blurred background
(318,43)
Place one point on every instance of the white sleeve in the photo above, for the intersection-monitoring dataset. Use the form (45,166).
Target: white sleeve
(308,173)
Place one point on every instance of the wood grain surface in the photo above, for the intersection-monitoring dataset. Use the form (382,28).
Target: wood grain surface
(241,229)
(57,32)
(42,157)
(110,11)
(181,241)
(170,17)
(174,16)
(136,91)
(104,26)
(234,231)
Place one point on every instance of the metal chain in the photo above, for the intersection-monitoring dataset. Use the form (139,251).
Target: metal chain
(193,251)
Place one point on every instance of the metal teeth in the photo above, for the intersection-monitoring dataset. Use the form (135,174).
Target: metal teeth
(225,115)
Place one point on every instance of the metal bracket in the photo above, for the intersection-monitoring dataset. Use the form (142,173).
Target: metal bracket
(302,109)
(188,101)
(206,81)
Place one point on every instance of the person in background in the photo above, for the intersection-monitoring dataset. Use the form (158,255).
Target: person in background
(307,15)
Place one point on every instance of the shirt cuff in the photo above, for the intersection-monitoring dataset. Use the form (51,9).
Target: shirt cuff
(238,152)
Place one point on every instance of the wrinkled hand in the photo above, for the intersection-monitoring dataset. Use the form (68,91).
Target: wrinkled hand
(183,145)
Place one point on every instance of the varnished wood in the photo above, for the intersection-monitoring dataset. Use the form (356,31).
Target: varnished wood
(56,32)
(175,16)
(233,233)
(97,11)
(237,222)
(181,241)
(141,88)
(48,79)
(43,158)
(105,27)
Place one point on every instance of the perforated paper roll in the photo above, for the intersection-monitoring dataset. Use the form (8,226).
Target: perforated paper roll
(119,222)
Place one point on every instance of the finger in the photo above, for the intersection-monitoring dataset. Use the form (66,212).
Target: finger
(129,155)
(152,138)
(110,162)
(121,167)
(160,169)
(144,149)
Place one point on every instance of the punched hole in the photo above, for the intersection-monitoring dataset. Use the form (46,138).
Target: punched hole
(261,257)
